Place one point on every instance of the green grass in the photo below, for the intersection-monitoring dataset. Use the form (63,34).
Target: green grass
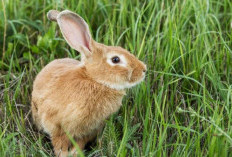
(183,108)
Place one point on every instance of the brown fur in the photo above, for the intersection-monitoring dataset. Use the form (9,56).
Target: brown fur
(67,95)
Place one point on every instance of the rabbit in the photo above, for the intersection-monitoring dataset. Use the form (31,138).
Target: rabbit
(76,97)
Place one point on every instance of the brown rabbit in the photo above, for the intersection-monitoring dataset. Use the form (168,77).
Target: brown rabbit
(75,97)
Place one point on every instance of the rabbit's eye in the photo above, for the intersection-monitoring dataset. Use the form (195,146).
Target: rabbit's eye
(116,59)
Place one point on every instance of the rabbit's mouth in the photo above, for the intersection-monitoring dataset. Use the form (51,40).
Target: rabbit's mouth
(124,84)
(136,76)
(135,81)
(121,85)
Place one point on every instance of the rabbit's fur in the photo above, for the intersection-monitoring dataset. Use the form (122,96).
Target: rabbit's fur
(75,97)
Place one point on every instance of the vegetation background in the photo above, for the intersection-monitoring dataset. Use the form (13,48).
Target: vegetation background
(183,108)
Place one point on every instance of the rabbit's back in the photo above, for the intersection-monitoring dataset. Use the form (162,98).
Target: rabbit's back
(47,88)
(53,71)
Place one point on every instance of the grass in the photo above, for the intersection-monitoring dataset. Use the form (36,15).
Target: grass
(183,108)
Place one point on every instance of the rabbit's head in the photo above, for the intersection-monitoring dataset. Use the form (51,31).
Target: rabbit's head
(112,66)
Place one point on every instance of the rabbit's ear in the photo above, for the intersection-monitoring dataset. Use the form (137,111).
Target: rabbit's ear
(75,31)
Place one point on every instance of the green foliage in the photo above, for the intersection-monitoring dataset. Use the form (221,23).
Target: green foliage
(183,108)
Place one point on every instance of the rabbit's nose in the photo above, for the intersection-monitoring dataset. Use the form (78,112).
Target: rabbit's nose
(144,69)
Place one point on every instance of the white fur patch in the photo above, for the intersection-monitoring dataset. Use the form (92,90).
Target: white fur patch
(123,61)
(120,86)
